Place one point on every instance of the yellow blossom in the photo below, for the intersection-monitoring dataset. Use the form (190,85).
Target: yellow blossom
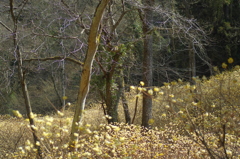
(88,131)
(140,88)
(206,114)
(86,154)
(236,67)
(60,113)
(64,97)
(230,60)
(34,127)
(166,84)
(115,128)
(121,139)
(224,65)
(108,136)
(28,148)
(187,86)
(132,87)
(204,78)
(150,121)
(229,152)
(164,115)
(180,81)
(48,123)
(150,92)
(57,134)
(155,89)
(108,116)
(32,115)
(142,83)
(17,114)
(88,125)
(96,149)
(194,103)
(38,143)
(96,137)
(213,106)
(161,93)
(193,87)
(215,68)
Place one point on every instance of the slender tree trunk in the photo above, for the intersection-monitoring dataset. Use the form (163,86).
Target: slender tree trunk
(123,97)
(192,63)
(147,62)
(63,85)
(22,78)
(191,53)
(93,42)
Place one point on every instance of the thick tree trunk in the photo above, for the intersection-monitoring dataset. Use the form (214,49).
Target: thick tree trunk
(93,42)
(147,62)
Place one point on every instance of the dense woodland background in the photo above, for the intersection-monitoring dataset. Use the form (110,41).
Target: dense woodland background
(190,37)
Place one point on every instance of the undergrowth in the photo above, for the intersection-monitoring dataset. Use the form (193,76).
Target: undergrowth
(199,120)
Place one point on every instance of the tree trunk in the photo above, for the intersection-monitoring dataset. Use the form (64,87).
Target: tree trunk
(147,62)
(192,63)
(93,42)
(22,78)
(111,102)
(121,86)
(191,53)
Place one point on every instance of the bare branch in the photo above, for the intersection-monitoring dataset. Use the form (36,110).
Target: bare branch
(6,27)
(56,58)
(57,37)
(23,5)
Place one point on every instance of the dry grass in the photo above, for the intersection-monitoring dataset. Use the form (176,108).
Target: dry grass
(189,121)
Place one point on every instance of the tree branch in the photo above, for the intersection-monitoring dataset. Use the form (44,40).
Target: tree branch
(57,37)
(6,27)
(56,58)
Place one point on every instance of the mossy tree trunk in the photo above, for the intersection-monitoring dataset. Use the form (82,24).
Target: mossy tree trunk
(93,42)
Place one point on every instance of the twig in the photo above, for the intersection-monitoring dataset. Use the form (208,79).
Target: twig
(6,27)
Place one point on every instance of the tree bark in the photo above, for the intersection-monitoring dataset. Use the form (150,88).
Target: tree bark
(93,42)
(147,62)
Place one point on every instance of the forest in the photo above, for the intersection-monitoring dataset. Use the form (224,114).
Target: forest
(120,79)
